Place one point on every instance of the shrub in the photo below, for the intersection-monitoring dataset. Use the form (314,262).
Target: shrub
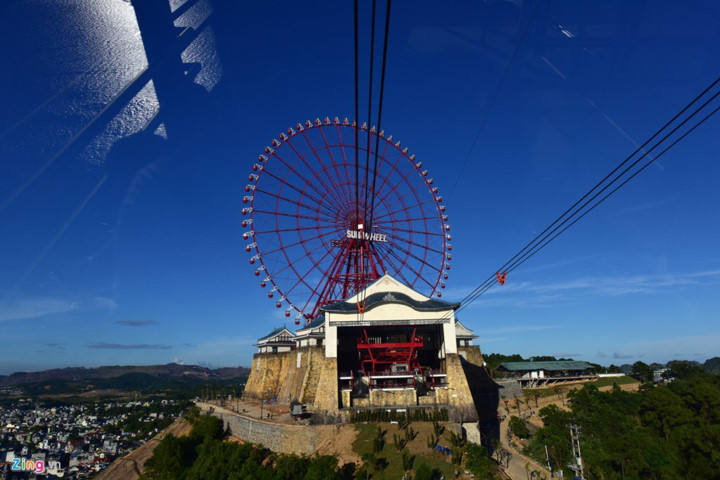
(432,441)
(519,427)
(424,472)
(479,463)
(407,460)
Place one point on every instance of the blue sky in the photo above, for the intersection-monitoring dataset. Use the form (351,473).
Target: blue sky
(119,208)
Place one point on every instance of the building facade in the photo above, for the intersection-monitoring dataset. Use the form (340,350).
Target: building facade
(386,347)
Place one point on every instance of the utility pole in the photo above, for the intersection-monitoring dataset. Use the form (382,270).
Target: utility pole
(547,457)
(577,465)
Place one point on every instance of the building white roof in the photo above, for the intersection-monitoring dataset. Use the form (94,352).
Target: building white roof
(388,299)
(461,331)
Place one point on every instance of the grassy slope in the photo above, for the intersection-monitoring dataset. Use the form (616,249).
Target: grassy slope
(418,447)
(601,382)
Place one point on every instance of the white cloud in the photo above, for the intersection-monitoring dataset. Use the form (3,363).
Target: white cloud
(521,328)
(37,307)
(706,345)
(536,294)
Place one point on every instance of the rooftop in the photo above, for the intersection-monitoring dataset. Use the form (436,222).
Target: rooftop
(549,365)
(317,322)
(275,332)
(382,298)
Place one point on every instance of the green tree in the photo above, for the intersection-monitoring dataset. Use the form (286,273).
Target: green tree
(642,371)
(171,457)
(290,467)
(519,427)
(424,472)
(479,462)
(664,410)
(712,365)
(682,369)
(323,467)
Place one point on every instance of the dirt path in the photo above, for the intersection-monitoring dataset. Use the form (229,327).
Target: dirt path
(132,465)
(520,466)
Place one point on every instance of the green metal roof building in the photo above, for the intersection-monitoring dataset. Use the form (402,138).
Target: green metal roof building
(550,366)
(535,374)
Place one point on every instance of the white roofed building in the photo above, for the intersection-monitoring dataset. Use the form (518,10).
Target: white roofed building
(464,335)
(279,340)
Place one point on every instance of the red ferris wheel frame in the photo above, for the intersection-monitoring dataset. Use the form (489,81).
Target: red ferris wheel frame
(318,235)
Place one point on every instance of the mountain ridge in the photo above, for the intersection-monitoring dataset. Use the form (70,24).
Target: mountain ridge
(169,370)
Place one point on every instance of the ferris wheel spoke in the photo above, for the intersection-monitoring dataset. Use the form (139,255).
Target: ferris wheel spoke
(387,177)
(417,219)
(414,205)
(293,215)
(400,182)
(398,271)
(332,160)
(326,283)
(322,235)
(314,173)
(307,182)
(286,267)
(345,160)
(295,229)
(407,265)
(315,266)
(406,230)
(418,245)
(304,244)
(295,202)
(396,222)
(302,192)
(342,183)
(377,168)
(423,261)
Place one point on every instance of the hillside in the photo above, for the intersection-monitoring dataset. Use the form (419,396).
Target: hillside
(132,465)
(168,371)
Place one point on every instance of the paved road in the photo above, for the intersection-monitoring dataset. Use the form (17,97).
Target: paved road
(278,413)
(518,468)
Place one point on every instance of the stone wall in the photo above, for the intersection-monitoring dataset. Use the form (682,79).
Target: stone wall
(460,400)
(313,365)
(393,398)
(281,375)
(509,388)
(472,355)
(327,397)
(437,397)
(283,438)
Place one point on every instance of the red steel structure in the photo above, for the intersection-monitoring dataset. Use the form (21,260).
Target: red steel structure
(381,356)
(318,233)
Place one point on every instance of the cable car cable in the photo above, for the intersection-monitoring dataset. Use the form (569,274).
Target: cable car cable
(380,105)
(544,238)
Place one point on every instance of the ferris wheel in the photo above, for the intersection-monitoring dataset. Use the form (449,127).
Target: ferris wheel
(324,224)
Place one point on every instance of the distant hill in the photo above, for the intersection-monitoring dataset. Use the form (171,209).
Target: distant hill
(168,371)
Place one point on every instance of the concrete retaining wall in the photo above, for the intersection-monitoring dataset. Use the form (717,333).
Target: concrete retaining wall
(283,438)
(509,388)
